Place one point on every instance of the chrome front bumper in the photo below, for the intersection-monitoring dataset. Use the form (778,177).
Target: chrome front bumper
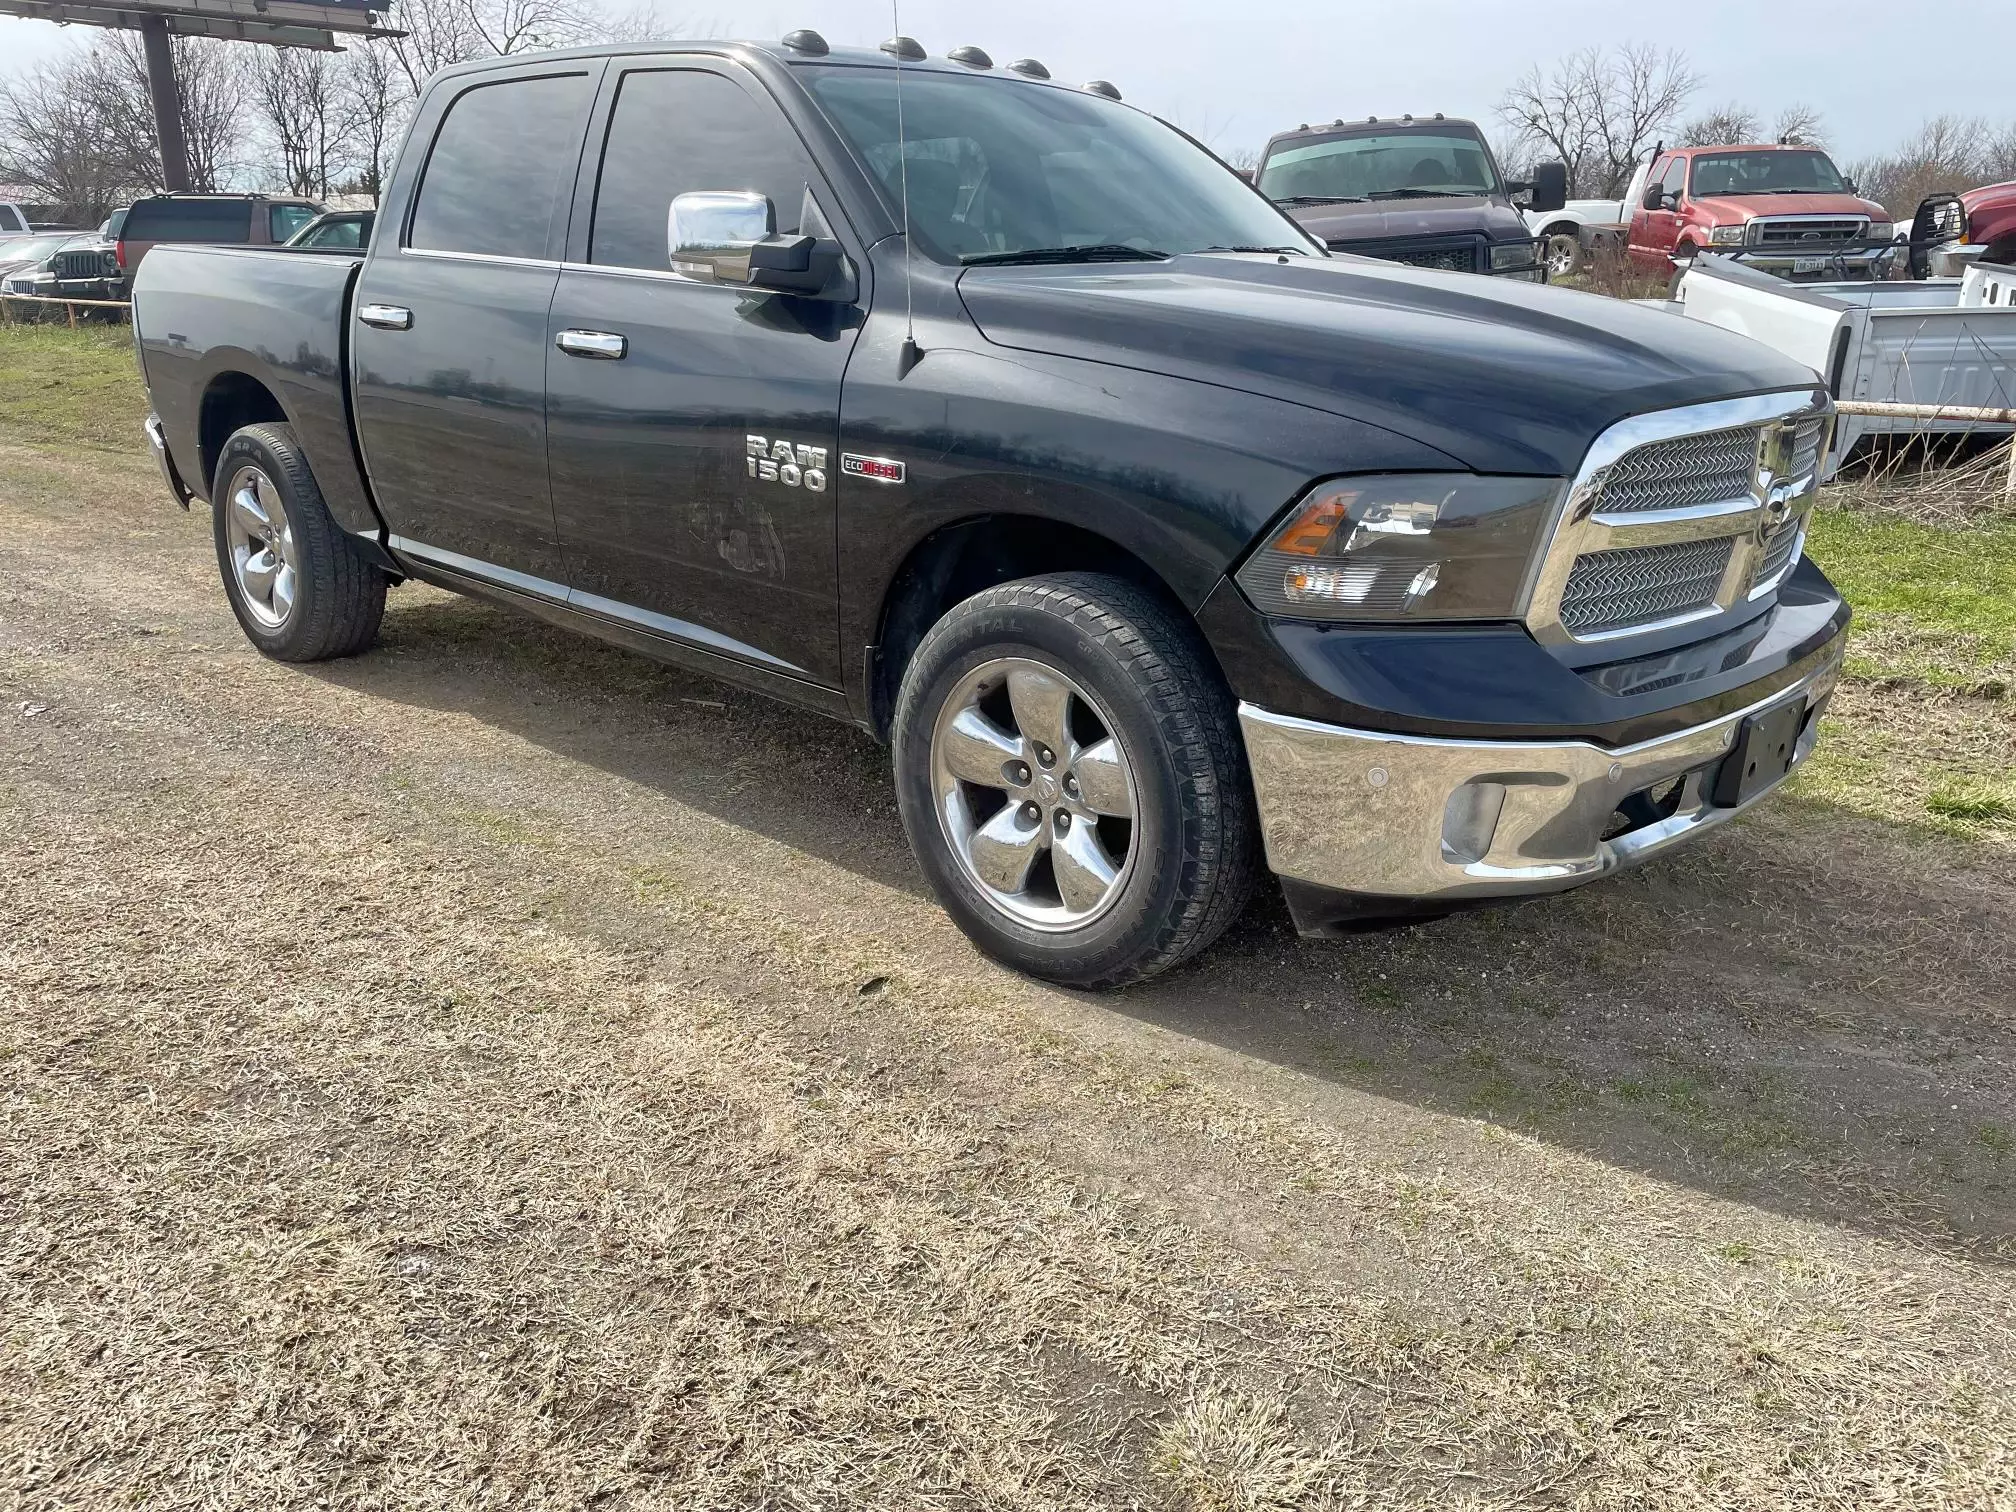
(1425,820)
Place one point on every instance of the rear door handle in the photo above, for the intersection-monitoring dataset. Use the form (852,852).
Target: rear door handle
(606,345)
(387,317)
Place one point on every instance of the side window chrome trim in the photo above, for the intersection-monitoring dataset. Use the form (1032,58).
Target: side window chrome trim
(663,275)
(480,257)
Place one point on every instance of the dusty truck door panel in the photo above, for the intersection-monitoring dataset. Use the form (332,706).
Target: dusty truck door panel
(448,339)
(692,425)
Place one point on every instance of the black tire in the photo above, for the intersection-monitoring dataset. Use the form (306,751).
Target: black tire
(339,595)
(1194,838)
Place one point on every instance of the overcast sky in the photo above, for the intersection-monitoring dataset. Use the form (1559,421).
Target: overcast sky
(1235,73)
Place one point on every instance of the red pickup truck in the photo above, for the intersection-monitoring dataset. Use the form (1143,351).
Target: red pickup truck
(1953,230)
(1780,204)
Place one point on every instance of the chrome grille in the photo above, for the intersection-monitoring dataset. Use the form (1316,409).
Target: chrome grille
(1768,232)
(1636,585)
(1807,437)
(1779,553)
(1711,468)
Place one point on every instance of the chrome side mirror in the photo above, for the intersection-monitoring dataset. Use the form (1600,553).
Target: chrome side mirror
(709,233)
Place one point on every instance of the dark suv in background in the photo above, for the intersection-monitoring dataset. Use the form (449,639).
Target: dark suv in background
(225,220)
(1426,192)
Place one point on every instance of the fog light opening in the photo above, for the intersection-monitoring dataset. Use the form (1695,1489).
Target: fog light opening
(1470,821)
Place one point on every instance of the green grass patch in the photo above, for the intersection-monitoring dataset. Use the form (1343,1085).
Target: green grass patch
(64,387)
(1934,604)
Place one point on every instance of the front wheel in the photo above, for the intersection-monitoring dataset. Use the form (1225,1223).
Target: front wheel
(1563,253)
(1071,778)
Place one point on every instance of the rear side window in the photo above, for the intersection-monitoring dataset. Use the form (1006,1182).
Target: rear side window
(285,220)
(189,220)
(11,219)
(678,131)
(502,168)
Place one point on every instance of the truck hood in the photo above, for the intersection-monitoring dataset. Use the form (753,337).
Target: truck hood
(1738,208)
(1504,376)
(1381,220)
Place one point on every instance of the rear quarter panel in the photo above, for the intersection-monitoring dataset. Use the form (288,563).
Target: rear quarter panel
(202,314)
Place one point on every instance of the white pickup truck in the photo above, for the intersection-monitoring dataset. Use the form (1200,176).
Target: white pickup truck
(1921,349)
(1563,243)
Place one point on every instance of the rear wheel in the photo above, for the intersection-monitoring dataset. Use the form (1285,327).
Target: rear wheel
(1070,775)
(300,587)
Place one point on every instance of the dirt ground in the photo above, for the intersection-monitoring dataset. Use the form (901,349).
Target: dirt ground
(501,1072)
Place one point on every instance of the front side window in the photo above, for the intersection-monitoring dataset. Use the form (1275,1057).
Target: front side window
(680,131)
(343,233)
(1675,176)
(1380,165)
(999,168)
(1723,173)
(502,168)
(284,220)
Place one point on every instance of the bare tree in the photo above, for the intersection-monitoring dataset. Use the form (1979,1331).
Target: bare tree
(53,140)
(438,33)
(374,101)
(79,129)
(209,75)
(295,95)
(514,26)
(1948,154)
(1799,122)
(1552,114)
(1598,112)
(1720,127)
(1644,90)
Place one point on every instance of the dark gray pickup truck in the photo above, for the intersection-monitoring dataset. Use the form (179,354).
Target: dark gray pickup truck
(1164,547)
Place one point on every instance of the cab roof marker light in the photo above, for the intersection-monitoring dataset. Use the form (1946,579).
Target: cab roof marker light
(1101,87)
(972,57)
(1029,67)
(909,49)
(806,41)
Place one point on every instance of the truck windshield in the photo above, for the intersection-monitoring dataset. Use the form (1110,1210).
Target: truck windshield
(1000,169)
(1719,173)
(1380,166)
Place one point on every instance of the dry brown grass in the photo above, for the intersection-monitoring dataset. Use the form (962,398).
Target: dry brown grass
(466,1077)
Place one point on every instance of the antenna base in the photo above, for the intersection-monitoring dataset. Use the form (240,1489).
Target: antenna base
(907,358)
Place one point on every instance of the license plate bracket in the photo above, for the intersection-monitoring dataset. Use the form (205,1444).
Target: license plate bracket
(1808,264)
(1762,754)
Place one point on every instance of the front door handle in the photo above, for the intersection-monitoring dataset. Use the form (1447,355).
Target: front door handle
(606,345)
(387,317)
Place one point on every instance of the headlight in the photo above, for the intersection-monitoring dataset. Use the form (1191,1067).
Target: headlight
(1882,231)
(1517,254)
(1426,546)
(1726,236)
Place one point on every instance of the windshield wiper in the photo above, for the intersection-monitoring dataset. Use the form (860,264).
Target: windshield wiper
(1321,199)
(1379,194)
(1096,252)
(1300,251)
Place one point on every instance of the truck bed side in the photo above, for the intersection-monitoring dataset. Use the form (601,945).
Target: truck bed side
(229,336)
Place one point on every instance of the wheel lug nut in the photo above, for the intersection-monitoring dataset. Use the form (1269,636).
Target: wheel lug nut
(1063,822)
(1031,812)
(1047,756)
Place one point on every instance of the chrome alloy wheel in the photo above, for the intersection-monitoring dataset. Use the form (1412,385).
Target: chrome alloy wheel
(262,547)
(1035,793)
(1564,255)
